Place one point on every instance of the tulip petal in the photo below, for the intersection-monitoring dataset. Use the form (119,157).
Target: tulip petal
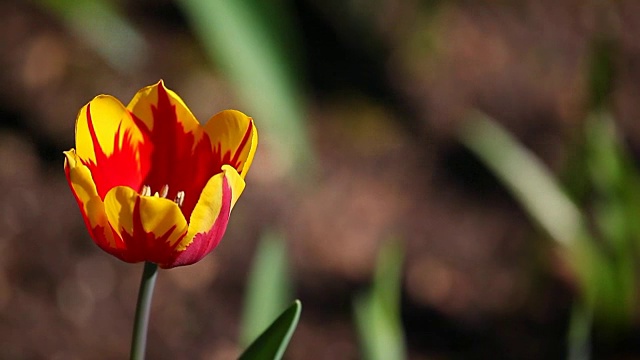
(209,219)
(91,206)
(108,138)
(151,227)
(156,105)
(182,157)
(234,139)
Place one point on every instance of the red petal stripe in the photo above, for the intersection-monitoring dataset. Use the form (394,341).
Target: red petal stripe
(122,167)
(245,139)
(146,246)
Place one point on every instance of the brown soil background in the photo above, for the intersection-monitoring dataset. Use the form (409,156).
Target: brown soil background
(385,87)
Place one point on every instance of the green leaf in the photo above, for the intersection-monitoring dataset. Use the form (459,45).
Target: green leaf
(388,276)
(528,179)
(579,335)
(273,341)
(615,182)
(101,25)
(377,312)
(252,45)
(615,205)
(268,288)
(606,269)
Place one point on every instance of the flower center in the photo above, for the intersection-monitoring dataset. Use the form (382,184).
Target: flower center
(164,191)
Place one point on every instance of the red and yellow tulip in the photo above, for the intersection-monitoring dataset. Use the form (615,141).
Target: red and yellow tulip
(152,183)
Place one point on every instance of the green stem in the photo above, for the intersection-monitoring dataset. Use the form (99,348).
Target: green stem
(140,325)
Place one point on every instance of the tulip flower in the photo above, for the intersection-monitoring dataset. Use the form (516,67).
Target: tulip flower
(152,183)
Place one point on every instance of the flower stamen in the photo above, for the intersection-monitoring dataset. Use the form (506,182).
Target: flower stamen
(179,198)
(164,191)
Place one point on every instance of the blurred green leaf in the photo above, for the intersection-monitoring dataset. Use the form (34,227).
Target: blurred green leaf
(377,312)
(105,30)
(612,181)
(268,288)
(579,335)
(528,179)
(273,342)
(615,202)
(388,276)
(615,181)
(245,39)
(606,269)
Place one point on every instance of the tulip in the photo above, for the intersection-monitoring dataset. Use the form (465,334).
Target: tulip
(152,183)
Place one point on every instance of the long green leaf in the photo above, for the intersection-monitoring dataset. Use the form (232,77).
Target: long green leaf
(579,334)
(607,279)
(377,312)
(615,205)
(274,341)
(100,24)
(243,39)
(268,288)
(528,179)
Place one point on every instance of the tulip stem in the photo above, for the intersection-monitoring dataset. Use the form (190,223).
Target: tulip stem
(140,325)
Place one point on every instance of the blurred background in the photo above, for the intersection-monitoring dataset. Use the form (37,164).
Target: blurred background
(434,179)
